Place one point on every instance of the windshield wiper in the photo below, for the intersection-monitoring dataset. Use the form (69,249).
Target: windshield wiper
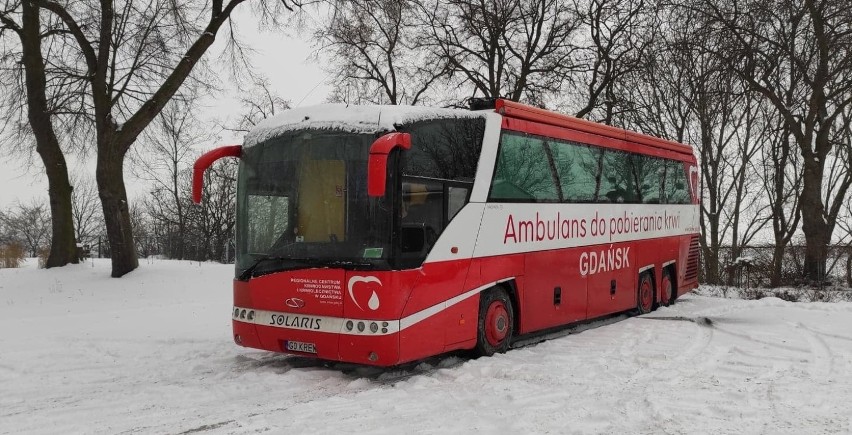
(324,262)
(247,273)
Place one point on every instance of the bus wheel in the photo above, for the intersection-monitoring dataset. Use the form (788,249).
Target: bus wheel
(667,288)
(496,322)
(646,294)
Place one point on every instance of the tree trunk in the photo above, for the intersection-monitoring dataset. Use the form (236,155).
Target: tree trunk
(710,247)
(817,231)
(110,178)
(777,263)
(711,266)
(63,249)
(63,246)
(180,212)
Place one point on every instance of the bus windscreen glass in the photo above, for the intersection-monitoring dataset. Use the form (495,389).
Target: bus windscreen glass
(303,202)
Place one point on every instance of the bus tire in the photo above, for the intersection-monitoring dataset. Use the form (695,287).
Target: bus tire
(496,322)
(645,294)
(667,288)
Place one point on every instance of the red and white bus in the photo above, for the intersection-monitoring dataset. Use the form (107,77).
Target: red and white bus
(386,234)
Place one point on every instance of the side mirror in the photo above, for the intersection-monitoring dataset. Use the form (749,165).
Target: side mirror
(377,166)
(204,162)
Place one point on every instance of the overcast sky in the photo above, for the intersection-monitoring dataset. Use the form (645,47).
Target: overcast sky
(282,59)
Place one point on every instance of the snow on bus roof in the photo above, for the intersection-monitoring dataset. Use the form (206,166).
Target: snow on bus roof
(356,119)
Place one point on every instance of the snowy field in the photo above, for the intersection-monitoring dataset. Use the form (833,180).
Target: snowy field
(152,353)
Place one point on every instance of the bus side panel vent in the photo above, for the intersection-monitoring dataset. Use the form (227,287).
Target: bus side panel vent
(692,260)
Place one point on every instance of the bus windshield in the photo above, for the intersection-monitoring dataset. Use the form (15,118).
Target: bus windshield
(303,202)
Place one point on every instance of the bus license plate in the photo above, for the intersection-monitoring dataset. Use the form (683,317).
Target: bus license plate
(298,346)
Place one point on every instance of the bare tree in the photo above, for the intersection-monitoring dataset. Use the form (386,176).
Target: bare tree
(844,223)
(131,57)
(5,237)
(260,103)
(144,237)
(660,93)
(781,184)
(88,221)
(686,94)
(521,50)
(29,224)
(38,104)
(811,42)
(620,34)
(374,59)
(213,221)
(165,157)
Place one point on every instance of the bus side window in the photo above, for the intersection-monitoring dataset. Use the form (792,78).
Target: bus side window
(523,172)
(577,166)
(649,172)
(618,183)
(422,203)
(675,184)
(457,198)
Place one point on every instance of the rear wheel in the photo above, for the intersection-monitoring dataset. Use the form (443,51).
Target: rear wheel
(645,297)
(667,293)
(496,322)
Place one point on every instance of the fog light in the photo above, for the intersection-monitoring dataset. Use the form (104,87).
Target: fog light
(373,356)
(384,324)
(360,326)
(374,327)
(238,339)
(349,325)
(384,330)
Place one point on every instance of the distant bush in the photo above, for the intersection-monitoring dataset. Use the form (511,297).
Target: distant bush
(790,294)
(43,253)
(753,293)
(787,295)
(11,255)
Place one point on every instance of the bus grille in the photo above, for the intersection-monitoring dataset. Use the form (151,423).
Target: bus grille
(692,260)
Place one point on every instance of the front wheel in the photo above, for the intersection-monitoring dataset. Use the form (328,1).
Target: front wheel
(645,294)
(496,322)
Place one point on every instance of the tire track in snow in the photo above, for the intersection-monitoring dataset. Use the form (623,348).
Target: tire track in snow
(8,372)
(706,363)
(822,361)
(660,370)
(826,334)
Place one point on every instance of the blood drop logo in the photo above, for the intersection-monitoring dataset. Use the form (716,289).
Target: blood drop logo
(373,303)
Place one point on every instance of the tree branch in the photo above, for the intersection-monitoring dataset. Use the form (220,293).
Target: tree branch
(74,28)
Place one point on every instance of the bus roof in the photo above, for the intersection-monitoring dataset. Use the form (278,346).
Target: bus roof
(351,118)
(512,109)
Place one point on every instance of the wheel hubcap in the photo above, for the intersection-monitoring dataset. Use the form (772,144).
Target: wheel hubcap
(667,291)
(496,323)
(647,297)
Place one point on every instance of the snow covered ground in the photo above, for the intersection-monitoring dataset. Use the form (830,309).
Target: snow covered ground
(152,353)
